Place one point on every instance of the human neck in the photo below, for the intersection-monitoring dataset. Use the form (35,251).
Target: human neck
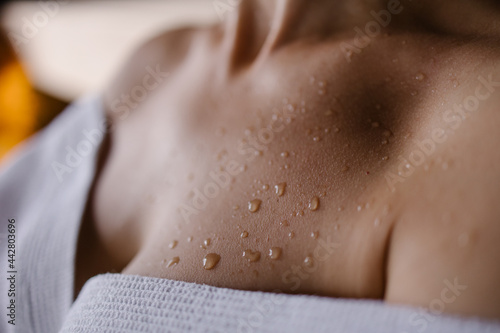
(305,17)
(260,26)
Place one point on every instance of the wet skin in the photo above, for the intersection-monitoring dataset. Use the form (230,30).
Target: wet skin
(388,195)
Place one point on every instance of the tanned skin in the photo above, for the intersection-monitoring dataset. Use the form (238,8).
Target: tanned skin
(407,177)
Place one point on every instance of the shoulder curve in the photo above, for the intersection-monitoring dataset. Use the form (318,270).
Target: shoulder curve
(161,54)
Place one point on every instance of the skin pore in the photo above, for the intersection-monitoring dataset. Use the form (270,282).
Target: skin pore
(391,169)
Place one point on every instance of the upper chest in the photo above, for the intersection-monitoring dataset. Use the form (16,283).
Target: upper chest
(284,157)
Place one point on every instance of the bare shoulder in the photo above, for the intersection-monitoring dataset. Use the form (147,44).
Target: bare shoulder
(445,250)
(147,67)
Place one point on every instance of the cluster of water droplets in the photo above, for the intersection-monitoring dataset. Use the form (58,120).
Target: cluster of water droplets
(256,204)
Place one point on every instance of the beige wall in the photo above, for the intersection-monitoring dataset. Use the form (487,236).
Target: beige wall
(83,43)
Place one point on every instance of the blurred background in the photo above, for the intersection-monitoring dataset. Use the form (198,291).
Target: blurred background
(53,52)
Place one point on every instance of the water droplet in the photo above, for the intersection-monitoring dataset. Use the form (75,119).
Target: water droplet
(275,253)
(419,77)
(173,261)
(321,92)
(280,189)
(375,124)
(385,141)
(385,158)
(314,235)
(284,223)
(211,260)
(309,261)
(258,153)
(243,168)
(414,93)
(387,133)
(376,223)
(360,208)
(265,187)
(336,227)
(317,138)
(327,130)
(445,166)
(244,234)
(328,113)
(340,209)
(321,84)
(206,243)
(190,239)
(251,255)
(173,244)
(312,79)
(314,204)
(254,205)
(291,235)
(285,154)
(336,129)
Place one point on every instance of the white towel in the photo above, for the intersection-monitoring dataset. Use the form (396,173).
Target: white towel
(126,303)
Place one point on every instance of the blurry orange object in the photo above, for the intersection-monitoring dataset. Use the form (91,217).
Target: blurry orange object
(18,101)
(17,107)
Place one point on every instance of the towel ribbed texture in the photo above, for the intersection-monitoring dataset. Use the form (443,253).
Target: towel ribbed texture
(125,303)
(48,214)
